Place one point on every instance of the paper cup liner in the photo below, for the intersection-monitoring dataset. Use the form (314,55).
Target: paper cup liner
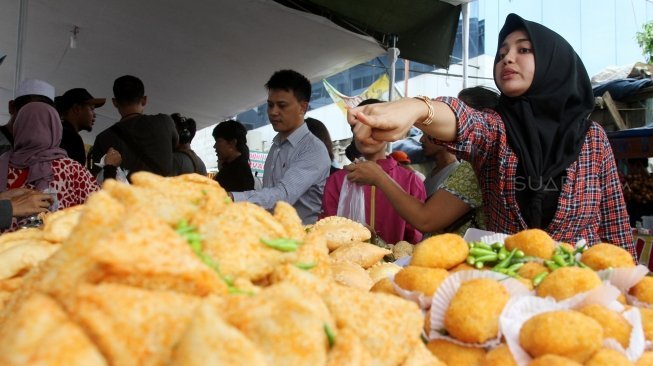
(624,278)
(403,261)
(520,309)
(637,343)
(494,238)
(423,301)
(632,300)
(648,346)
(446,292)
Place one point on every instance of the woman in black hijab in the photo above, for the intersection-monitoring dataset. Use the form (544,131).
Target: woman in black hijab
(540,161)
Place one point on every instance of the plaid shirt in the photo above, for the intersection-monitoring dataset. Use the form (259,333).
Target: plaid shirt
(591,204)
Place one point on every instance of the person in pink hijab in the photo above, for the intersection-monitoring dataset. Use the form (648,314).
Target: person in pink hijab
(38,162)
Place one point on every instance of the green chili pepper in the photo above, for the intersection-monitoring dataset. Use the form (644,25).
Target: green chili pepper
(514,267)
(519,254)
(480,252)
(281,244)
(504,263)
(483,246)
(487,258)
(331,337)
(552,265)
(471,260)
(305,266)
(497,246)
(478,265)
(539,278)
(559,260)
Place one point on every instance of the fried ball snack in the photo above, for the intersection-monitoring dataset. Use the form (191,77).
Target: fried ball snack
(499,356)
(647,323)
(386,324)
(41,333)
(384,285)
(646,359)
(421,356)
(553,360)
(566,282)
(531,269)
(351,275)
(473,313)
(564,333)
(402,249)
(209,340)
(341,230)
(608,357)
(260,319)
(461,267)
(348,350)
(118,319)
(364,254)
(440,251)
(382,270)
(643,290)
(614,325)
(21,258)
(453,354)
(604,256)
(533,242)
(421,279)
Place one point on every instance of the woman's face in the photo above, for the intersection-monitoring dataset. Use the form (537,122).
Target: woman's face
(514,72)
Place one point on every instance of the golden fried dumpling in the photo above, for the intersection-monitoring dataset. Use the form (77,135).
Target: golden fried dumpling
(614,325)
(363,254)
(534,242)
(604,256)
(608,357)
(566,282)
(421,279)
(340,230)
(453,354)
(643,290)
(440,251)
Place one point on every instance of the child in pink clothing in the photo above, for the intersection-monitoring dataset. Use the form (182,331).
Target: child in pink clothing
(388,224)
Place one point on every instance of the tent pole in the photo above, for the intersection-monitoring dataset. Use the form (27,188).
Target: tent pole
(22,19)
(393,54)
(465,41)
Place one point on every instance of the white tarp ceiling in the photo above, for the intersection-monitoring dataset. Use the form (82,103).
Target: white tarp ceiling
(206,59)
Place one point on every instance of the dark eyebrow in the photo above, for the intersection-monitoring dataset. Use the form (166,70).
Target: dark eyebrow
(520,40)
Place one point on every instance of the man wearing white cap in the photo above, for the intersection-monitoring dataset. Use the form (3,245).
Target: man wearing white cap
(29,90)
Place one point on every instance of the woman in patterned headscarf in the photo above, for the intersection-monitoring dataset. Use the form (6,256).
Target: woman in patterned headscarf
(38,162)
(540,161)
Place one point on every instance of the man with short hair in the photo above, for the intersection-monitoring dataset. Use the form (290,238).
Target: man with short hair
(77,110)
(297,164)
(145,142)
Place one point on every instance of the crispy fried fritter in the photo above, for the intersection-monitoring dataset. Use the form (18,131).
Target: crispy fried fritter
(209,340)
(421,279)
(285,322)
(440,251)
(24,236)
(646,359)
(643,290)
(287,216)
(453,354)
(40,333)
(384,285)
(608,357)
(566,282)
(647,323)
(364,254)
(20,258)
(421,356)
(564,333)
(351,275)
(384,323)
(531,269)
(473,313)
(533,242)
(604,256)
(461,267)
(119,318)
(614,325)
(341,230)
(348,350)
(382,270)
(58,225)
(500,356)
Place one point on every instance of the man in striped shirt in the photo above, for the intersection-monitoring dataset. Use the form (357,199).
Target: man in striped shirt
(298,163)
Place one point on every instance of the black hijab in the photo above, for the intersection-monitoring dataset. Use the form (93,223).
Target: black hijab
(546,126)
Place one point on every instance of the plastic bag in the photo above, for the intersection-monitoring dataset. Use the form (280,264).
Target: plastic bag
(351,203)
(121,175)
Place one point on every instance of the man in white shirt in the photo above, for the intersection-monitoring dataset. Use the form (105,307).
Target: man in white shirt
(298,163)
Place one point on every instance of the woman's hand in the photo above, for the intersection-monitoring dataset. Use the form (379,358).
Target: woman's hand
(365,172)
(386,121)
(26,202)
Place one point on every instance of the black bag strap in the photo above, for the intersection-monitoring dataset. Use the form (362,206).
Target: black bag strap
(147,159)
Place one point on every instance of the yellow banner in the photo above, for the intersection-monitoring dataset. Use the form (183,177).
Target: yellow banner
(378,90)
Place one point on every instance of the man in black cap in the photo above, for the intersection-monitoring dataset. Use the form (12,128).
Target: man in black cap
(77,110)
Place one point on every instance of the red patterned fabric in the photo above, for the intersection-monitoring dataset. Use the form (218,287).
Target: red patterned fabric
(591,205)
(72,182)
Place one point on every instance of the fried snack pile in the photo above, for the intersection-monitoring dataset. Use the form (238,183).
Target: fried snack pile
(168,271)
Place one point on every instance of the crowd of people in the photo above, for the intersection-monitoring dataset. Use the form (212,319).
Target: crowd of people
(526,156)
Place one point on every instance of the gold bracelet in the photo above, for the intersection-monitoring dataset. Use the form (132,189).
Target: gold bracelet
(429,119)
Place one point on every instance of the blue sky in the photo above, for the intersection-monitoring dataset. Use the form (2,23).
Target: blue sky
(601,31)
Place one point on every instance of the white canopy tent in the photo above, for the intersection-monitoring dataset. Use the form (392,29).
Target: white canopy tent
(206,59)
